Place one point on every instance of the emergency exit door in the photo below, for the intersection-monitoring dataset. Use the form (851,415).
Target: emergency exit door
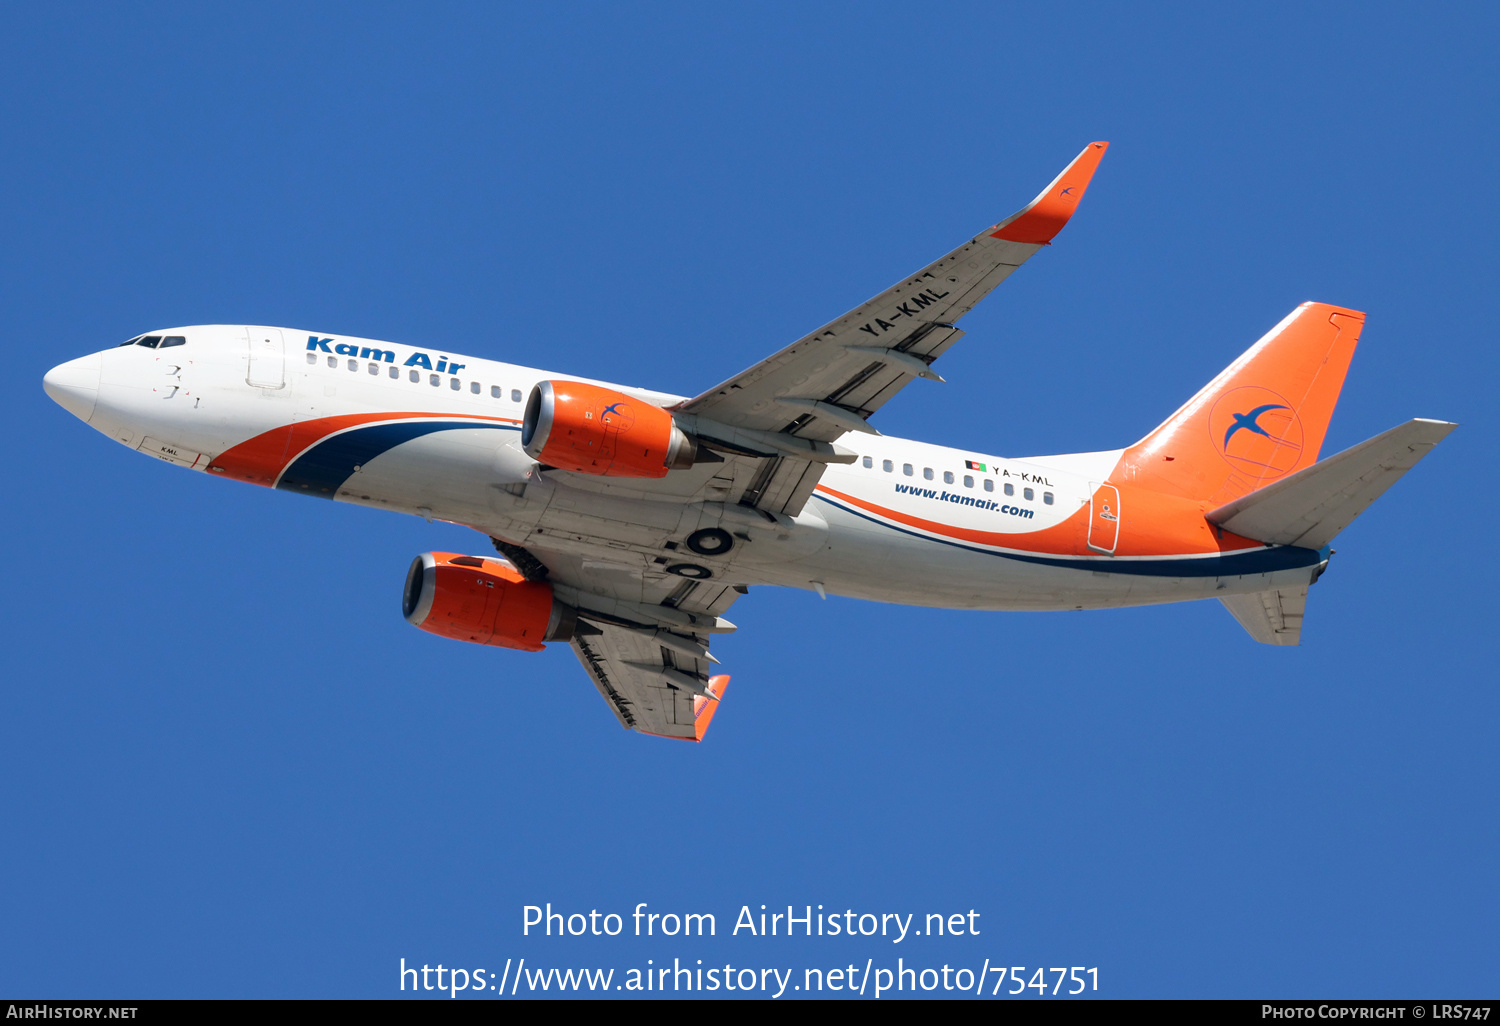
(1104,518)
(267,367)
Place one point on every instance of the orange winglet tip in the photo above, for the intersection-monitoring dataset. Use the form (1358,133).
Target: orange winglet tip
(704,708)
(1044,217)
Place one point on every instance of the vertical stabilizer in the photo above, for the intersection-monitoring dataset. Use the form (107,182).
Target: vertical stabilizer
(1261,419)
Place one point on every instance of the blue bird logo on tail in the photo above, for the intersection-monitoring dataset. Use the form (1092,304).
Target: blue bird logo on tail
(1247,421)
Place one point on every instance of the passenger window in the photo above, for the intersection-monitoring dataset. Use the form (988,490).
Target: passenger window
(868,462)
(1028,494)
(333,361)
(455,384)
(906,469)
(395,373)
(172,340)
(415,377)
(947,477)
(1010,489)
(435,380)
(968,481)
(354,365)
(149,341)
(375,369)
(887,466)
(1047,498)
(474,387)
(494,391)
(312,358)
(927,473)
(130,343)
(989,485)
(515,395)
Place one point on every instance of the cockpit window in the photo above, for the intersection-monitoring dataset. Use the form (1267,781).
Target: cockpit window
(131,342)
(172,340)
(149,341)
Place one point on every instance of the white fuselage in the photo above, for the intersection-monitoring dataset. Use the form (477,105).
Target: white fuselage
(895,526)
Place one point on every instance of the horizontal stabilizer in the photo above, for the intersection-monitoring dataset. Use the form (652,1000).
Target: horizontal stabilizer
(1271,617)
(1311,506)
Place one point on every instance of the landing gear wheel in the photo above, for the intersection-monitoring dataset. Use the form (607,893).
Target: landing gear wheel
(692,571)
(711,541)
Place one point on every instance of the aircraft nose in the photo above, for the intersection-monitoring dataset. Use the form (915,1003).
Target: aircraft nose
(75,385)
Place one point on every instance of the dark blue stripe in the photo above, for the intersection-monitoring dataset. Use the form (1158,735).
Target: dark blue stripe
(324,468)
(1249,561)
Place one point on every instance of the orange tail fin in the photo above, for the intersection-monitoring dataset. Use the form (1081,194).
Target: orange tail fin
(1261,419)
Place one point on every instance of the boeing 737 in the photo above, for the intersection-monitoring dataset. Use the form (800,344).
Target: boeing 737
(626,522)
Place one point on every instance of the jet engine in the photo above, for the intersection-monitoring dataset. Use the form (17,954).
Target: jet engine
(486,601)
(594,430)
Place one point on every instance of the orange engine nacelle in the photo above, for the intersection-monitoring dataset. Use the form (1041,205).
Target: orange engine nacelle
(594,430)
(485,601)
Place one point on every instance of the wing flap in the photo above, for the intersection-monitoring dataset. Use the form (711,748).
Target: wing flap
(651,688)
(881,378)
(643,640)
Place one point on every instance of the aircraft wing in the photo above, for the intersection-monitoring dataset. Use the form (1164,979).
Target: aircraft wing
(642,638)
(643,633)
(772,426)
(832,380)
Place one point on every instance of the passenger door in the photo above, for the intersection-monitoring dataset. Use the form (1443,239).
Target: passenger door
(1104,518)
(267,368)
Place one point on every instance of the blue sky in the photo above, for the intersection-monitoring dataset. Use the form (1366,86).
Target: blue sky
(229,768)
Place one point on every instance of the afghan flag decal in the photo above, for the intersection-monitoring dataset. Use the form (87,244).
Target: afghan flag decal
(971,465)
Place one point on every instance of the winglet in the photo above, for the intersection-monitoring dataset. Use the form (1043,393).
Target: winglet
(704,708)
(1044,217)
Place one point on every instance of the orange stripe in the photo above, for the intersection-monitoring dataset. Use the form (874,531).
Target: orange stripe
(261,459)
(1151,524)
(1061,538)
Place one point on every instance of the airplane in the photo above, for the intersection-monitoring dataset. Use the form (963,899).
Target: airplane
(626,521)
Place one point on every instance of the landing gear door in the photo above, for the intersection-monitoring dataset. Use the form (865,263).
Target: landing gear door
(1104,518)
(267,368)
